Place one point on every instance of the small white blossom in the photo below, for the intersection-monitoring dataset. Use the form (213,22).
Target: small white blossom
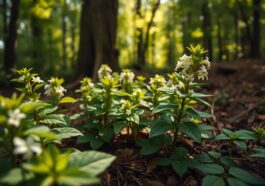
(206,62)
(37,80)
(21,78)
(202,73)
(15,117)
(26,147)
(60,91)
(104,71)
(48,90)
(184,63)
(127,76)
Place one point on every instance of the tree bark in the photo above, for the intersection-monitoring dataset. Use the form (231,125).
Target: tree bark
(4,9)
(143,38)
(255,52)
(97,37)
(220,40)
(64,31)
(10,41)
(206,27)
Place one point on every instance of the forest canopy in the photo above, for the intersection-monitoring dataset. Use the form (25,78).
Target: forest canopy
(55,36)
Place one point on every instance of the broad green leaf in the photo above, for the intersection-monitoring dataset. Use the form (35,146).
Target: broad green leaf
(245,176)
(197,114)
(165,107)
(92,162)
(191,129)
(235,182)
(15,176)
(180,167)
(29,107)
(41,131)
(77,177)
(54,119)
(66,132)
(209,168)
(211,180)
(119,126)
(159,127)
(67,100)
(241,144)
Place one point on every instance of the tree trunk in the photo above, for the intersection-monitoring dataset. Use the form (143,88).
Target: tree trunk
(245,20)
(220,40)
(4,9)
(64,31)
(255,52)
(236,34)
(10,42)
(206,27)
(97,37)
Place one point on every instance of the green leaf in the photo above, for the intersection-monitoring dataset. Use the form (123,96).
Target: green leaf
(66,132)
(148,146)
(165,107)
(92,162)
(29,107)
(67,100)
(159,127)
(41,131)
(245,176)
(211,180)
(54,119)
(241,144)
(209,168)
(77,177)
(180,167)
(192,130)
(222,137)
(202,101)
(118,126)
(15,176)
(197,114)
(235,182)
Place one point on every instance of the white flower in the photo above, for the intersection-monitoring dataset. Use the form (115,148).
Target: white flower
(104,71)
(184,63)
(26,147)
(128,112)
(21,78)
(60,91)
(15,117)
(48,90)
(206,62)
(127,76)
(37,80)
(189,77)
(202,73)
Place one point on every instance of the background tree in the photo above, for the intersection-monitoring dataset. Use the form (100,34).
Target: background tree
(97,36)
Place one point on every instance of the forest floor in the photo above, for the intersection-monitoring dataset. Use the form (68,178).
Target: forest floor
(238,103)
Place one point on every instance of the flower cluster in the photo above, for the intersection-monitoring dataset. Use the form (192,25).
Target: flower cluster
(86,89)
(104,71)
(126,107)
(15,117)
(193,66)
(54,88)
(157,82)
(26,147)
(127,76)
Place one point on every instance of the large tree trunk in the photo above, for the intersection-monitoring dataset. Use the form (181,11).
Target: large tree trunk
(219,40)
(255,50)
(4,9)
(10,40)
(206,27)
(143,38)
(64,31)
(97,37)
